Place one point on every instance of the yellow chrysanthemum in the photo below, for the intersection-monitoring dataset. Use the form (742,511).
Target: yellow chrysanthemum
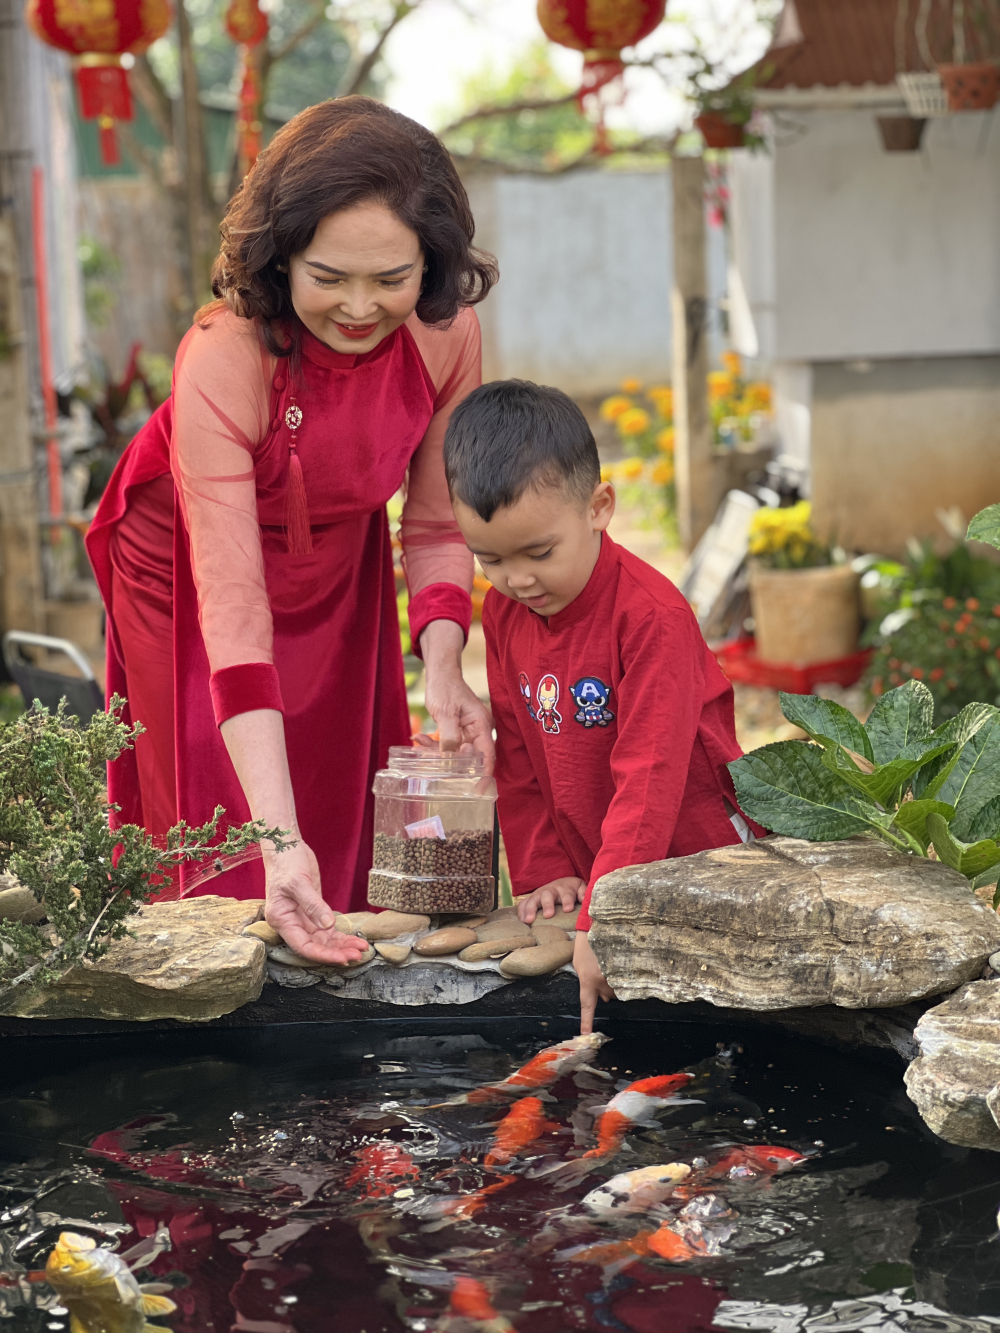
(720,385)
(633,422)
(607,473)
(665,440)
(631,469)
(613,407)
(774,530)
(758,396)
(662,398)
(663,473)
(631,386)
(733,362)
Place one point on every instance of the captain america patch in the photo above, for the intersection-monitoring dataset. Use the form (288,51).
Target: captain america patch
(591,696)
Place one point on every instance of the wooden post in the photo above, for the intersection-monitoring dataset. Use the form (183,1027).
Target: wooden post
(21,594)
(201,250)
(695,466)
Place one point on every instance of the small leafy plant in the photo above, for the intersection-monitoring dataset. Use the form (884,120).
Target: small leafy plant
(56,838)
(896,775)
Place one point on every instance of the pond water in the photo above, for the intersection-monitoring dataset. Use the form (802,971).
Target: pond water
(254,1150)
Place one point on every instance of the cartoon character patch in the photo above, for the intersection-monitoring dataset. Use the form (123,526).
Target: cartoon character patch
(548,697)
(591,696)
(524,685)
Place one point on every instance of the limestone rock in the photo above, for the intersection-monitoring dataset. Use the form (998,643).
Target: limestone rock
(190,961)
(19,904)
(423,982)
(496,948)
(785,924)
(393,953)
(546,956)
(263,932)
(954,1079)
(450,940)
(382,925)
(293,977)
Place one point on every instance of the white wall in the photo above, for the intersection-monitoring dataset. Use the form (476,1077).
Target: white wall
(853,252)
(585,264)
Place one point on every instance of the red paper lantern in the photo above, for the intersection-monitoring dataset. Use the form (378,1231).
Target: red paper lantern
(99,33)
(247,26)
(600,29)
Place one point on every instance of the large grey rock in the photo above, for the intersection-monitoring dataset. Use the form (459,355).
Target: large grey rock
(18,903)
(954,1079)
(188,961)
(786,924)
(425,982)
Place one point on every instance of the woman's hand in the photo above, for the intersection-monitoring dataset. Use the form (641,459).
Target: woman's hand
(461,716)
(593,984)
(564,893)
(296,910)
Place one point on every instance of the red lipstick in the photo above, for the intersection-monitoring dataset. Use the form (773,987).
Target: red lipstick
(357,331)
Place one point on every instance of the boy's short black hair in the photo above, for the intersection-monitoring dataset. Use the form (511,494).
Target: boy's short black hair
(512,434)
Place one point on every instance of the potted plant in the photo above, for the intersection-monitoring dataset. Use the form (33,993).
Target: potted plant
(971,85)
(724,114)
(805,607)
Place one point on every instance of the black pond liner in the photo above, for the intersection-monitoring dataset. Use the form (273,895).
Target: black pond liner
(241,1140)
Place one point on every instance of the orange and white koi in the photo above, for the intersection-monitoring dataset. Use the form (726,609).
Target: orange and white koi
(634,1191)
(470,1310)
(523,1124)
(441,1210)
(747,1162)
(382,1167)
(541,1070)
(615,1256)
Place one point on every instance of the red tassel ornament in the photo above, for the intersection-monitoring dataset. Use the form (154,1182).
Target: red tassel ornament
(299,532)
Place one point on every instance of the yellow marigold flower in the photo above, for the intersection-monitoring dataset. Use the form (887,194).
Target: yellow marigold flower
(773,530)
(733,362)
(720,384)
(607,473)
(758,396)
(665,440)
(613,407)
(662,397)
(633,422)
(631,386)
(631,469)
(663,473)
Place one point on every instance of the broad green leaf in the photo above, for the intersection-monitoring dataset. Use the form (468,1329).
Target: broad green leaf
(787,788)
(886,779)
(965,724)
(970,778)
(972,859)
(912,816)
(985,823)
(824,720)
(900,717)
(985,526)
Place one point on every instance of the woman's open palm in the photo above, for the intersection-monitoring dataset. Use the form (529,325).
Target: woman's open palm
(296,910)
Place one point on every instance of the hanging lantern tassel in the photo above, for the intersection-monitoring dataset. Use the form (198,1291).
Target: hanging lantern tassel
(104,96)
(249,125)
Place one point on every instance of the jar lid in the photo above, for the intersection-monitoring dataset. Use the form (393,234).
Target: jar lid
(429,762)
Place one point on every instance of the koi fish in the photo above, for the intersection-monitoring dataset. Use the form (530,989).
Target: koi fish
(99,1289)
(667,1244)
(613,1257)
(541,1070)
(629,1108)
(749,1162)
(442,1210)
(381,1167)
(522,1125)
(634,1191)
(470,1308)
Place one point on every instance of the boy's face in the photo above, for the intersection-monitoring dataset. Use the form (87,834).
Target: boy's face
(541,550)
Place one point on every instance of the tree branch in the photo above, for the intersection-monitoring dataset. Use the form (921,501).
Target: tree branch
(153,96)
(269,57)
(508,109)
(356,81)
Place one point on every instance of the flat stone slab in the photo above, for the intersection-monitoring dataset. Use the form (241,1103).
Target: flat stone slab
(955,1081)
(189,961)
(784,924)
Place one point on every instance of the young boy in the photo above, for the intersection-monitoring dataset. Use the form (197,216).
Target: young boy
(614,722)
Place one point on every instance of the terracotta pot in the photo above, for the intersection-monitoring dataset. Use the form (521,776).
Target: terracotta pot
(803,616)
(973,87)
(901,134)
(719,132)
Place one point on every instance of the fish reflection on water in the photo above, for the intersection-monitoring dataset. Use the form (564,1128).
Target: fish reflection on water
(556,1196)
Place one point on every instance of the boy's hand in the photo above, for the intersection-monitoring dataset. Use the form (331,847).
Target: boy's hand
(564,893)
(592,981)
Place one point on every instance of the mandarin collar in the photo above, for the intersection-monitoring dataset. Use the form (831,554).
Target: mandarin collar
(320,355)
(583,604)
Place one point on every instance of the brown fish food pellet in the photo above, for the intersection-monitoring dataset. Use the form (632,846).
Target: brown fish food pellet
(452,874)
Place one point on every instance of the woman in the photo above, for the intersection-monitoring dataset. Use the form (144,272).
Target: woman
(242,546)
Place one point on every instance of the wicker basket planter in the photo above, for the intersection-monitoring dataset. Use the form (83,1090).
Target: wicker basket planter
(901,134)
(805,615)
(719,132)
(972,87)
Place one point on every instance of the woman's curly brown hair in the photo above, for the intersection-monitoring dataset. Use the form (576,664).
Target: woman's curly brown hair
(332,156)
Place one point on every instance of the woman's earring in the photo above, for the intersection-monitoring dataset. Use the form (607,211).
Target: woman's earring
(282,268)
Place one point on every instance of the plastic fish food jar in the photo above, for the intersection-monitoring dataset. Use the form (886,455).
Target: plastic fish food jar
(433,833)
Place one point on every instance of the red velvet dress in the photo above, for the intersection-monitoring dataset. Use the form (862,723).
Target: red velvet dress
(210,615)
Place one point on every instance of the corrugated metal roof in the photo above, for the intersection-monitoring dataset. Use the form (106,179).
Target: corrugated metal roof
(858,42)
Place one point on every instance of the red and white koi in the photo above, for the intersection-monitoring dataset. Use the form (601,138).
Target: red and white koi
(750,1162)
(541,1071)
(523,1125)
(382,1167)
(441,1210)
(471,1310)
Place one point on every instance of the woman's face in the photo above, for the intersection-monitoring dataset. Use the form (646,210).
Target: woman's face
(358,278)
